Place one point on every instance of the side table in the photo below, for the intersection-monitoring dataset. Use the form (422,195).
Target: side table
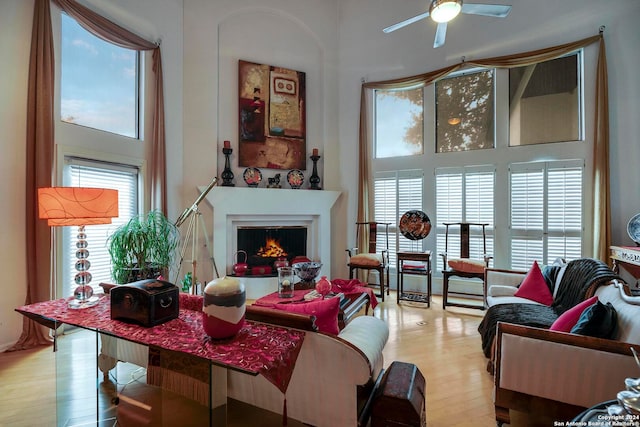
(422,257)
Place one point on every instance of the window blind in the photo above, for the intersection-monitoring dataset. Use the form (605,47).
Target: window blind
(88,173)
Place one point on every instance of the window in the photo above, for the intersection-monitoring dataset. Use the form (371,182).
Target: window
(99,82)
(465,112)
(80,172)
(546,212)
(396,193)
(399,123)
(465,195)
(476,117)
(545,102)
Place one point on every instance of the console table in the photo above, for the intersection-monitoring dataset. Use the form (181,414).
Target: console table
(258,349)
(626,263)
(424,269)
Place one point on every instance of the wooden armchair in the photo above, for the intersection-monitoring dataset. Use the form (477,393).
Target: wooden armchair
(372,258)
(463,266)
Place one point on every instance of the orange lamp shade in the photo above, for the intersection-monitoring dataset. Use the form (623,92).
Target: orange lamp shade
(62,206)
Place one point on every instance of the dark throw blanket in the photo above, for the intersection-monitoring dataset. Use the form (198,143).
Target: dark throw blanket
(539,316)
(580,280)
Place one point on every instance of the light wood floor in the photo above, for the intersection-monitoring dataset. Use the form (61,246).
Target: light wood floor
(444,345)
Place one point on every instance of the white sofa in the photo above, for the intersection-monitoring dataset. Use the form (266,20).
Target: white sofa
(332,379)
(560,374)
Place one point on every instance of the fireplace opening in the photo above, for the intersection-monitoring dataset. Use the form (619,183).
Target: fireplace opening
(267,245)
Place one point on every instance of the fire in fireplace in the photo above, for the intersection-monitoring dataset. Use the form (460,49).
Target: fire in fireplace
(265,245)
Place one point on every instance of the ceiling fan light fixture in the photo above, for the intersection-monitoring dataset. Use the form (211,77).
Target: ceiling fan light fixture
(444,10)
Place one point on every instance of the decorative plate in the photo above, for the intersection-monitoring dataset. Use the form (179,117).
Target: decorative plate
(252,176)
(295,178)
(633,228)
(415,225)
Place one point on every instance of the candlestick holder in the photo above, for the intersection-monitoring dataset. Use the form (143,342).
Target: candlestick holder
(227,174)
(314,179)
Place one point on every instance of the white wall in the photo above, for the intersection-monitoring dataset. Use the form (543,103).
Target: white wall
(15,31)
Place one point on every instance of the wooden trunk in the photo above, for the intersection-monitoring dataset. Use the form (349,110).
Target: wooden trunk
(400,398)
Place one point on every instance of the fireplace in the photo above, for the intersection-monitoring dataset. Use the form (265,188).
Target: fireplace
(237,208)
(264,246)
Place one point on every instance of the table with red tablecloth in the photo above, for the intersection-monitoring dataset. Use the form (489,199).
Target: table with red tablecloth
(257,348)
(349,288)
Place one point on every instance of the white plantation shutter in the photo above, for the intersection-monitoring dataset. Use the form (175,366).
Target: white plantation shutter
(394,194)
(527,201)
(87,173)
(448,209)
(546,212)
(479,208)
(448,197)
(564,228)
(465,194)
(409,198)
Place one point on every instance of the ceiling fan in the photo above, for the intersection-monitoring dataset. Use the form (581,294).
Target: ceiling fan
(443,11)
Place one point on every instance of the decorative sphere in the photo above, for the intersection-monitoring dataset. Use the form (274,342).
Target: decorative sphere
(224,307)
(82,253)
(83,292)
(83,277)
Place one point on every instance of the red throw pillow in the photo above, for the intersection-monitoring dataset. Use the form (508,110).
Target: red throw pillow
(569,318)
(325,310)
(534,287)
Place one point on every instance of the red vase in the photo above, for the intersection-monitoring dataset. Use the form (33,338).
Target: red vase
(323,286)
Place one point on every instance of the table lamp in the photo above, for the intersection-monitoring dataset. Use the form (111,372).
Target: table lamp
(81,206)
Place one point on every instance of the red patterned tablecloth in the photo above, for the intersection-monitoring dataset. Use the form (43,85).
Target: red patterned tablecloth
(352,287)
(257,349)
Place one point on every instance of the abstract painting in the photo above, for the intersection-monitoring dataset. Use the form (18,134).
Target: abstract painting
(272,117)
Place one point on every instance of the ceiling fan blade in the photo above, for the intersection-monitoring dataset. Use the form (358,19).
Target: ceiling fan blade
(406,22)
(494,10)
(441,33)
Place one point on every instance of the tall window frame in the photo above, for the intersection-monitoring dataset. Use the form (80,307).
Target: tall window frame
(97,146)
(87,62)
(501,157)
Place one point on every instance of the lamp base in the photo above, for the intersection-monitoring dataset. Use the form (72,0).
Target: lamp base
(77,304)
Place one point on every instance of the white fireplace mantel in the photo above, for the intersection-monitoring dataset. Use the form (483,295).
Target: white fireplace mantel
(235,206)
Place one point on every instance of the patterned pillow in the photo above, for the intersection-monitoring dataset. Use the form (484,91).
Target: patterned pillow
(534,287)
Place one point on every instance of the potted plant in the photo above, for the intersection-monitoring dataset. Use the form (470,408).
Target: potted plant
(143,248)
